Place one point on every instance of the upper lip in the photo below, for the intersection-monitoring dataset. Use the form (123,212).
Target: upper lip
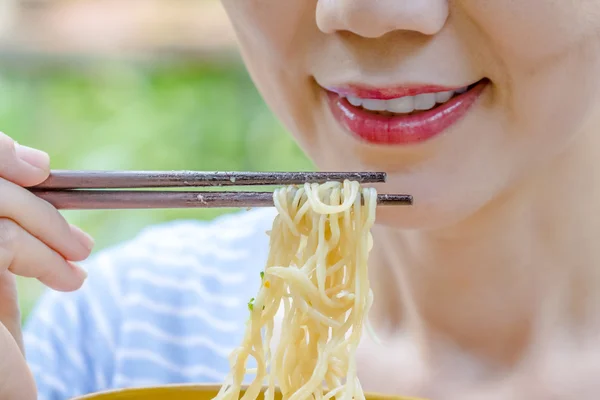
(388,93)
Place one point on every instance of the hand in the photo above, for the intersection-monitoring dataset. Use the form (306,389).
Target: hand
(36,242)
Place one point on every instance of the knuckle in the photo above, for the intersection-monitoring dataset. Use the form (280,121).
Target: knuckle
(8,234)
(9,231)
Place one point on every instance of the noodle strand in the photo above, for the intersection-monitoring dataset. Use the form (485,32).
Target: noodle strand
(317,274)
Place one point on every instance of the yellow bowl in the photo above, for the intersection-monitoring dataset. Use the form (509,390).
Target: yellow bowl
(189,392)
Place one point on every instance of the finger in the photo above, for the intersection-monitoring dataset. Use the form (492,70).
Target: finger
(22,165)
(10,314)
(16,380)
(43,221)
(24,255)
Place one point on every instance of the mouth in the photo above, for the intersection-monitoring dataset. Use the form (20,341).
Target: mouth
(401,116)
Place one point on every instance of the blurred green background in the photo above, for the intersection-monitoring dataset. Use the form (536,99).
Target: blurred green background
(117,116)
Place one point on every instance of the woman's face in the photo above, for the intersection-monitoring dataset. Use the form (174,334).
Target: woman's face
(366,85)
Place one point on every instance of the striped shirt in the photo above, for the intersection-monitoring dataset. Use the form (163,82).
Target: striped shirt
(166,307)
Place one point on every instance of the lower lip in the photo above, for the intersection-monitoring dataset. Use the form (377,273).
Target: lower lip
(403,129)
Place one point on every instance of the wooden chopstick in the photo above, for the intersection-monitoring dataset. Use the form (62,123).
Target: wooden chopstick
(165,179)
(80,190)
(136,199)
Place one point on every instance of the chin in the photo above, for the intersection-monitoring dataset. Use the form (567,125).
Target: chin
(426,217)
(448,184)
(436,205)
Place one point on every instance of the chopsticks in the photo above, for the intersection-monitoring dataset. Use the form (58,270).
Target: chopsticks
(115,200)
(170,179)
(94,190)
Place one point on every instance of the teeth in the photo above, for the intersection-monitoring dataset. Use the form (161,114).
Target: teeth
(401,105)
(443,97)
(424,101)
(355,101)
(406,104)
(374,105)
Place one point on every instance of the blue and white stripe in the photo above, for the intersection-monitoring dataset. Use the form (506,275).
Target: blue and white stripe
(166,307)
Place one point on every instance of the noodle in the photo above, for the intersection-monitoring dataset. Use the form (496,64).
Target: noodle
(316,271)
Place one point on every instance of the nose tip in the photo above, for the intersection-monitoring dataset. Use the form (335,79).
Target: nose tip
(375,18)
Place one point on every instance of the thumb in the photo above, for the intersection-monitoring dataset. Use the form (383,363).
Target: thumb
(16,380)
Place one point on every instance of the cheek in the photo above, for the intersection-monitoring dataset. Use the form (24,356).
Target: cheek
(548,106)
(275,32)
(533,29)
(543,56)
(274,38)
(553,102)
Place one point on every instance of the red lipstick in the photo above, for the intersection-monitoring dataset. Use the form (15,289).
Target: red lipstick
(400,129)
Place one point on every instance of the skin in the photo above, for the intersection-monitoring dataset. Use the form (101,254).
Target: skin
(488,287)
(35,242)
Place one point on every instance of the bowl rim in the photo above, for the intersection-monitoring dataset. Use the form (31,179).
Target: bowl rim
(204,387)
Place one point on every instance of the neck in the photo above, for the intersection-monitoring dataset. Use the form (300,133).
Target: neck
(504,281)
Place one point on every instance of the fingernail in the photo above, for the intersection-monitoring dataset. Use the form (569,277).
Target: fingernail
(79,270)
(84,238)
(83,272)
(33,157)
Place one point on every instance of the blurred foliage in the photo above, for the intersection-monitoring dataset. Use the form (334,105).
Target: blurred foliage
(125,117)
